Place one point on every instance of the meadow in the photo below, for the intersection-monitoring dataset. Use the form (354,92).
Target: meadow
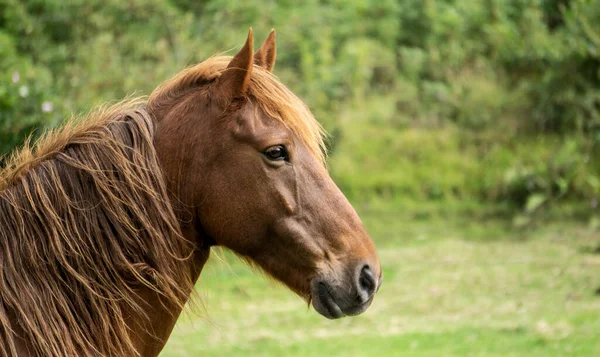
(454,286)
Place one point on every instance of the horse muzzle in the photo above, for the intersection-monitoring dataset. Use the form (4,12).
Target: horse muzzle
(352,297)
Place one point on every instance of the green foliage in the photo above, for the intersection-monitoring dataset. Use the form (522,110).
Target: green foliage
(24,103)
(495,100)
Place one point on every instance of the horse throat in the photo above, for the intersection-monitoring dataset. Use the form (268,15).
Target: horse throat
(151,330)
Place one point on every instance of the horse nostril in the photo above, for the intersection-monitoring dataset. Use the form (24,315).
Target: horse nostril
(367,281)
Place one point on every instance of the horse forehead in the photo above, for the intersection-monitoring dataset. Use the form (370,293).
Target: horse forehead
(251,122)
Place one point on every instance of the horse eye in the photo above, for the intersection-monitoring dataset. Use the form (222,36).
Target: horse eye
(276,153)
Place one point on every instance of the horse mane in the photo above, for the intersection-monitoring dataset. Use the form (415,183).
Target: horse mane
(265,90)
(85,221)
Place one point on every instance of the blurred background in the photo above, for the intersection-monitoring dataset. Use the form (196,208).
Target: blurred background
(466,133)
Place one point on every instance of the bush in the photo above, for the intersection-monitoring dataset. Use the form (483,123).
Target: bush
(26,105)
(495,101)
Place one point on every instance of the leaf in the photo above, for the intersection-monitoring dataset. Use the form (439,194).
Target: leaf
(534,202)
(594,182)
(521,221)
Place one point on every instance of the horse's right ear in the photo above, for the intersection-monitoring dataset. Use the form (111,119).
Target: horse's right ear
(234,81)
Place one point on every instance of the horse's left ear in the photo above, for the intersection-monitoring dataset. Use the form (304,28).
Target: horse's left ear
(235,80)
(265,55)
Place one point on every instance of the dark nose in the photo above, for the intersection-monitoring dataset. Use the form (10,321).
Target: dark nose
(367,283)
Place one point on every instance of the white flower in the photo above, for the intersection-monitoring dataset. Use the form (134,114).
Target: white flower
(24,91)
(15,77)
(47,107)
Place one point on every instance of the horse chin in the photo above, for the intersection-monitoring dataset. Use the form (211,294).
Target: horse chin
(326,304)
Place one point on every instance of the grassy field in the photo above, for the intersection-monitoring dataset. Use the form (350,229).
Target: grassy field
(455,285)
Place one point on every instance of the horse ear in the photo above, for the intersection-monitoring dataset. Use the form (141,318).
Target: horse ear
(235,79)
(265,55)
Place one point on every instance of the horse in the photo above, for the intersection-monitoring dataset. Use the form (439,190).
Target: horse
(106,223)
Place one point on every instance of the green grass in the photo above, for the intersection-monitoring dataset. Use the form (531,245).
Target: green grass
(455,285)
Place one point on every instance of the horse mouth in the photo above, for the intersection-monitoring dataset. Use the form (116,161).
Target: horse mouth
(324,303)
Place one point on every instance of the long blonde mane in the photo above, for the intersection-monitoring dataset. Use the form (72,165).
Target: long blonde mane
(84,220)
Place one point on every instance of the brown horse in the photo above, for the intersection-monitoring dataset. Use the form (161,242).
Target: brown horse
(107,223)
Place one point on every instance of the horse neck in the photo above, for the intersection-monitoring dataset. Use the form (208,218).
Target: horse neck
(151,331)
(151,328)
